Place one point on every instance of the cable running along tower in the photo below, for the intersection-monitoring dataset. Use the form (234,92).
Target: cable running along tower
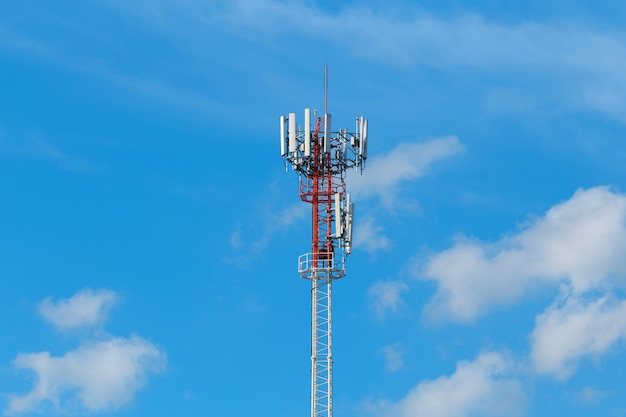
(321,157)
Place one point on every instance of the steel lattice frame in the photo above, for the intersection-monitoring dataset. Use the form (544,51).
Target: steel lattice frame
(320,184)
(321,161)
(321,347)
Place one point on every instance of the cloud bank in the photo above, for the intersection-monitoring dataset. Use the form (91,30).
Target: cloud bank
(578,246)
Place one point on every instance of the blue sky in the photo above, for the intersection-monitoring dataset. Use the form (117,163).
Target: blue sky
(149,233)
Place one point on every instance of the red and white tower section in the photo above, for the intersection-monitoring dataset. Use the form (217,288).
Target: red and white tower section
(322,157)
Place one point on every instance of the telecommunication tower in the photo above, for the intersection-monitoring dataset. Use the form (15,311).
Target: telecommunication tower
(321,157)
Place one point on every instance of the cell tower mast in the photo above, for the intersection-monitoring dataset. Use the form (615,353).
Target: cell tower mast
(321,157)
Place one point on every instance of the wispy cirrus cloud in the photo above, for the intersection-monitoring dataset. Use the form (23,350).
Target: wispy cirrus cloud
(245,245)
(589,395)
(584,66)
(35,147)
(142,85)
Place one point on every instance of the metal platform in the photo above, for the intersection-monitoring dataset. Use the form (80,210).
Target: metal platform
(325,265)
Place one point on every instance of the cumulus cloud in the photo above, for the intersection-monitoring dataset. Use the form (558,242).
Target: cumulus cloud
(483,387)
(394,360)
(103,373)
(84,309)
(385,296)
(370,237)
(407,161)
(573,328)
(581,242)
(100,375)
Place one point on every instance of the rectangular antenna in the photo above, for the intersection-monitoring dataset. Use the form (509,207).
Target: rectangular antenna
(307,132)
(293,141)
(283,148)
(363,142)
(327,132)
(349,221)
(338,219)
(364,145)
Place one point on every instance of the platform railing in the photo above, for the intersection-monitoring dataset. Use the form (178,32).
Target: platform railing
(329,264)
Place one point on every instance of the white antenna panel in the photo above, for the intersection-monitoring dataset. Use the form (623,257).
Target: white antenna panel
(338,220)
(283,144)
(362,150)
(293,140)
(307,132)
(348,219)
(364,145)
(327,131)
(361,128)
(349,225)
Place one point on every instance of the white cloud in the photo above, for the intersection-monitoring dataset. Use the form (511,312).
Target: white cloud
(590,395)
(100,376)
(590,63)
(142,85)
(573,328)
(405,162)
(103,373)
(85,308)
(385,296)
(393,354)
(289,215)
(34,146)
(482,387)
(581,242)
(235,238)
(42,150)
(274,220)
(369,236)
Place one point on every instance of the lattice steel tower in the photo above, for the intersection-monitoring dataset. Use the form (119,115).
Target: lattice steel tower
(321,157)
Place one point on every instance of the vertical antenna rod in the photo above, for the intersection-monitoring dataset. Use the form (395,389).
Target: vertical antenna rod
(321,158)
(326,89)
